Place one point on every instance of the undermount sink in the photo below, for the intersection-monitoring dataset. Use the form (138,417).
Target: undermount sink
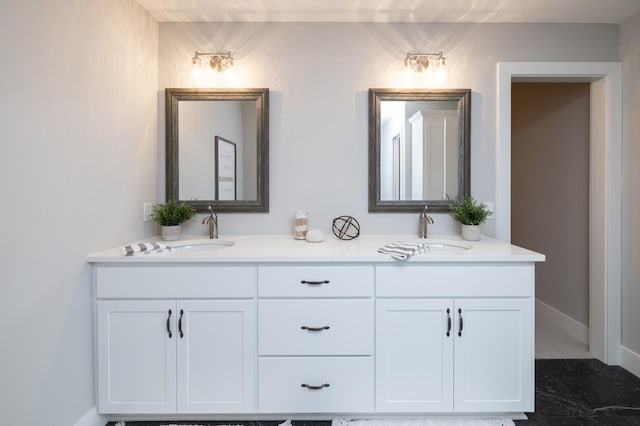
(445,246)
(201,245)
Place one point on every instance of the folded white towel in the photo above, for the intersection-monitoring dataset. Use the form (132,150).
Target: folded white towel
(144,248)
(403,251)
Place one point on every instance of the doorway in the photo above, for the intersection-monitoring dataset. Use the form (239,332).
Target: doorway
(605,179)
(550,140)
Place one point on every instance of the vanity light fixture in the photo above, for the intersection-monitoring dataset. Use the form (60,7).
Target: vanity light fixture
(419,61)
(218,61)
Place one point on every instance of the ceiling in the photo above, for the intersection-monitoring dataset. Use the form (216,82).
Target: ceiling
(494,11)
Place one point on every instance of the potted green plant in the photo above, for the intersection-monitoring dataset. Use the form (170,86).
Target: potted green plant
(171,215)
(470,214)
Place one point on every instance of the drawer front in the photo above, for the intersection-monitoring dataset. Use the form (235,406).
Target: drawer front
(316,327)
(155,282)
(350,385)
(460,280)
(315,281)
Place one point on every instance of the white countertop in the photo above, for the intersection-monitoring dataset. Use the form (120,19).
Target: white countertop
(284,248)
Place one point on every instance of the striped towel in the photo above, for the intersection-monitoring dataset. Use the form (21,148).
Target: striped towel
(403,251)
(144,248)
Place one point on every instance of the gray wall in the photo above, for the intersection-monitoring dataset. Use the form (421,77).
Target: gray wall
(77,160)
(319,74)
(550,126)
(630,56)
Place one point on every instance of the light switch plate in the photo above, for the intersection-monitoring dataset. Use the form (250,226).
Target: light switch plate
(147,210)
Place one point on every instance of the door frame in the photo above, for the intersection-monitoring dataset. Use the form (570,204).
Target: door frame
(605,213)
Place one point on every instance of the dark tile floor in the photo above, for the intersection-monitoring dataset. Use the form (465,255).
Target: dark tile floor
(569,392)
(584,392)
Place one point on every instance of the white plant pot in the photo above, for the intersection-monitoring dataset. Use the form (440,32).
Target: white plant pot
(471,232)
(171,233)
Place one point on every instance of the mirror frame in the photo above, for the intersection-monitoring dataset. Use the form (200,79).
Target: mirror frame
(463,98)
(261,96)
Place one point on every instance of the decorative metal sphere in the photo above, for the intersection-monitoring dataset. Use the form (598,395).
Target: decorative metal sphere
(346,227)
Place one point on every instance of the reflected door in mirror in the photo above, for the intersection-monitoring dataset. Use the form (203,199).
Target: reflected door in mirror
(434,155)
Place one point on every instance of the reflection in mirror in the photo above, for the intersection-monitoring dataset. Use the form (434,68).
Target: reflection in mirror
(202,127)
(418,148)
(217,148)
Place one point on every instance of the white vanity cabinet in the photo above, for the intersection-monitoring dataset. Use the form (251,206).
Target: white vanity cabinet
(161,353)
(271,327)
(316,339)
(454,338)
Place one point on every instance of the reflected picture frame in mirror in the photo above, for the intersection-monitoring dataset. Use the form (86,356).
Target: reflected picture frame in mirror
(258,96)
(451,106)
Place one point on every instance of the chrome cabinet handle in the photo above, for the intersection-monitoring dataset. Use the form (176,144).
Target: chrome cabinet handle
(304,327)
(461,322)
(310,387)
(180,324)
(314,282)
(169,324)
(448,322)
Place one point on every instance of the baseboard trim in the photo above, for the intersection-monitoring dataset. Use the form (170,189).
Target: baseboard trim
(629,360)
(549,317)
(92,418)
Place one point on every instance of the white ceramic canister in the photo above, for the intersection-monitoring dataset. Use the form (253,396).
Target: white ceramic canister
(301,225)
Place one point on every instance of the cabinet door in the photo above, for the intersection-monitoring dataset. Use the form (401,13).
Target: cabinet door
(414,355)
(494,361)
(216,356)
(136,357)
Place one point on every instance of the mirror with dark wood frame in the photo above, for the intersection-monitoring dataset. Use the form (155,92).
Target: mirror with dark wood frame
(217,148)
(419,148)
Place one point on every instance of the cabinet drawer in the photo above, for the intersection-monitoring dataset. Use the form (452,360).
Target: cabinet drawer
(316,327)
(315,281)
(177,282)
(459,280)
(349,380)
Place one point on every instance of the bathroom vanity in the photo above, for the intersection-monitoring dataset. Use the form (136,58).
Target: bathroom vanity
(272,327)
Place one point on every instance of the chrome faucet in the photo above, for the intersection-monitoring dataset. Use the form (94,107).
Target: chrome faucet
(423,221)
(212,221)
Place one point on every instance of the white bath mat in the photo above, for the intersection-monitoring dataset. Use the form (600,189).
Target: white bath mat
(286,423)
(430,421)
(170,424)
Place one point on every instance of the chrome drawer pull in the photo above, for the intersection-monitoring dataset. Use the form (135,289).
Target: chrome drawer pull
(304,327)
(310,387)
(314,282)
